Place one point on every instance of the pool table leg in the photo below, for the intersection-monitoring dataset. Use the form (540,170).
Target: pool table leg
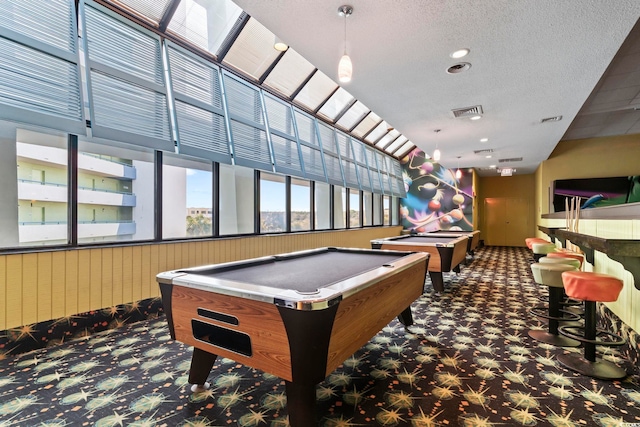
(437,280)
(201,364)
(405,317)
(301,403)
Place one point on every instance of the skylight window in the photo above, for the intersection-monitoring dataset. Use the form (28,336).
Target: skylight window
(334,106)
(366,125)
(205,23)
(388,138)
(290,72)
(252,52)
(316,91)
(378,132)
(353,115)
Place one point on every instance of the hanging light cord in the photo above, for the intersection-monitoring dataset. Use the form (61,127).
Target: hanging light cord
(345,33)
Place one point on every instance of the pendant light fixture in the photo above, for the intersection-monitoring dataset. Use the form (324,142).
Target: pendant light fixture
(458,172)
(345,68)
(436,152)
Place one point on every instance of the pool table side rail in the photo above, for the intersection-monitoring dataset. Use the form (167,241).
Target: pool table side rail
(285,297)
(443,256)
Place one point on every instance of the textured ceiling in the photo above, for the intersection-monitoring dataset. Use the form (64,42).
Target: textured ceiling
(530,59)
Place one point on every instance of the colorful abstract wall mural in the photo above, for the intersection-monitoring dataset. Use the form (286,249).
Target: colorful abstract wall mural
(436,199)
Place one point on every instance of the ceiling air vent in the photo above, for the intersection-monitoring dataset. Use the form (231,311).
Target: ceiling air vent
(551,119)
(458,68)
(487,151)
(467,111)
(513,159)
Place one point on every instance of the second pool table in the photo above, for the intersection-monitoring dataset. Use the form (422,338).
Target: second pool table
(446,253)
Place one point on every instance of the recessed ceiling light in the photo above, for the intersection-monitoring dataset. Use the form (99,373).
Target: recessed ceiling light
(492,166)
(477,117)
(484,139)
(459,53)
(488,157)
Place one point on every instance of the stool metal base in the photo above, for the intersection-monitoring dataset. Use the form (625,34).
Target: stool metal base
(549,338)
(601,369)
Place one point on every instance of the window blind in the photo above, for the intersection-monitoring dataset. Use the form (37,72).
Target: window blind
(349,168)
(331,155)
(310,147)
(248,130)
(397,183)
(125,77)
(200,119)
(39,66)
(286,151)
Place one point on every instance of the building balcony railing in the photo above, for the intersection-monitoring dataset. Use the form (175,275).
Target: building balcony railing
(55,192)
(44,231)
(98,165)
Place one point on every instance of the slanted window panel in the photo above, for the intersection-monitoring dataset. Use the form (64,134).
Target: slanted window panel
(397,183)
(39,71)
(366,125)
(377,132)
(200,123)
(353,115)
(280,116)
(334,170)
(290,72)
(395,145)
(405,149)
(344,146)
(126,81)
(310,147)
(286,156)
(365,180)
(252,52)
(338,101)
(205,23)
(350,174)
(152,9)
(384,172)
(376,180)
(331,156)
(51,22)
(248,130)
(317,89)
(388,139)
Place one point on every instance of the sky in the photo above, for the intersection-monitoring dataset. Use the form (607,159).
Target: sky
(199,191)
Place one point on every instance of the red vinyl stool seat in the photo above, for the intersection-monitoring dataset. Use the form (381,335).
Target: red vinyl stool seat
(591,288)
(550,274)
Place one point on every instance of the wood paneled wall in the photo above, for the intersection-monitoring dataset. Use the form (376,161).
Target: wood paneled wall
(36,287)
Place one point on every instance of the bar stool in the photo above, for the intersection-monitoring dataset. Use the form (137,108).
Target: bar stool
(574,305)
(567,255)
(591,288)
(550,274)
(531,240)
(541,249)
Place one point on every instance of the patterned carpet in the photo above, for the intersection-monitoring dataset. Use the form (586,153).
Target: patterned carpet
(467,361)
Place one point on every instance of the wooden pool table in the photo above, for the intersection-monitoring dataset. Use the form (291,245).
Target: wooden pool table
(297,316)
